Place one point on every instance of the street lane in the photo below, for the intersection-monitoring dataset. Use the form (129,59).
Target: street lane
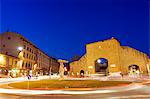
(142,93)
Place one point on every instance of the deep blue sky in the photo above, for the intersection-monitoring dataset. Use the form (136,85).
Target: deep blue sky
(61,28)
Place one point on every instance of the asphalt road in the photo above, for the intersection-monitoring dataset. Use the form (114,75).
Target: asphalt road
(142,93)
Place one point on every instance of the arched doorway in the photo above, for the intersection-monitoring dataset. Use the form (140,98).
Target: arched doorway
(134,70)
(82,73)
(101,66)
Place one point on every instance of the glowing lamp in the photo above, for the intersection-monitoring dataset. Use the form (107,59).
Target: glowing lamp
(99,61)
(20,48)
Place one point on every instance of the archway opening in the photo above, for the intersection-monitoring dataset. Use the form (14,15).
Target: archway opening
(101,66)
(82,73)
(134,70)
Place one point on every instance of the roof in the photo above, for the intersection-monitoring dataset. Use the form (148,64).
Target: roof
(127,47)
(18,34)
(112,38)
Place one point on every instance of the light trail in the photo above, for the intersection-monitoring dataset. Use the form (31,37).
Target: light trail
(40,92)
(132,96)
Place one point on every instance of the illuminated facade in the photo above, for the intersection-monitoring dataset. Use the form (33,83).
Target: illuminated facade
(9,65)
(33,60)
(108,57)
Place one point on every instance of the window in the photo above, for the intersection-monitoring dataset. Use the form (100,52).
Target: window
(4,45)
(27,48)
(24,54)
(26,65)
(22,64)
(9,38)
(24,46)
(27,55)
(15,62)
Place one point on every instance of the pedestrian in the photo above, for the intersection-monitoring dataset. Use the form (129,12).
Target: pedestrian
(121,75)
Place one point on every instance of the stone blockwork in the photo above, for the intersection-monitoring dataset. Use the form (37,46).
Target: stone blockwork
(79,65)
(119,58)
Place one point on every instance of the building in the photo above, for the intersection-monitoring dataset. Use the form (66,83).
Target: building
(32,59)
(8,63)
(54,64)
(108,57)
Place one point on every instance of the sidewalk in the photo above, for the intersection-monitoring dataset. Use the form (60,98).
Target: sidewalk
(20,79)
(125,78)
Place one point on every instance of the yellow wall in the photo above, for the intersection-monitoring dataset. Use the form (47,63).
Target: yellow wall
(2,60)
(119,57)
(9,61)
(77,66)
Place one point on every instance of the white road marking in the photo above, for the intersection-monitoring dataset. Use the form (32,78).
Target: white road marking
(132,96)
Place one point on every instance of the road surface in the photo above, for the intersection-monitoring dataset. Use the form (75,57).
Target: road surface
(141,93)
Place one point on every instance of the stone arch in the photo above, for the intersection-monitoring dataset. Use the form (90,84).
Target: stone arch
(82,72)
(101,66)
(134,69)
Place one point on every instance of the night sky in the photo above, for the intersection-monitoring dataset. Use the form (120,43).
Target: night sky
(61,28)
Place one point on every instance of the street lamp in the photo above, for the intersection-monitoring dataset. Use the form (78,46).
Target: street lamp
(20,48)
(99,61)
